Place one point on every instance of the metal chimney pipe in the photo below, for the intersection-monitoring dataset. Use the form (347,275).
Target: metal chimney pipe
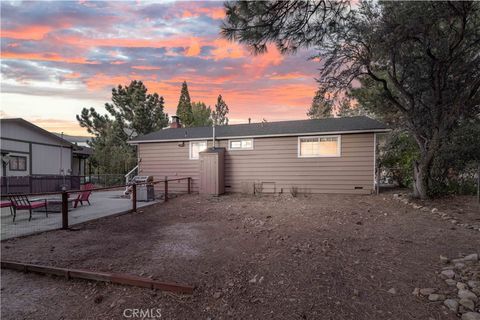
(213,135)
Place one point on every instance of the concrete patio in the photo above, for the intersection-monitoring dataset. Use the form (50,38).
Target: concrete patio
(103,204)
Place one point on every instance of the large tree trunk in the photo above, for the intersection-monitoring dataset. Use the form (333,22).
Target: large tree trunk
(420,179)
(421,167)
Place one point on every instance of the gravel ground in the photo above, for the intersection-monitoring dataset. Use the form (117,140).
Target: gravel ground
(271,257)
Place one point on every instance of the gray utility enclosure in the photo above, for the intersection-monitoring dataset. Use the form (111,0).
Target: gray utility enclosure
(212,171)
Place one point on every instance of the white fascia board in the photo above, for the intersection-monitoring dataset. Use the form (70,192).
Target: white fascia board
(263,136)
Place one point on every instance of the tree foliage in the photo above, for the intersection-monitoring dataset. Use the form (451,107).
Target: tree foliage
(420,57)
(184,108)
(397,156)
(454,167)
(290,25)
(133,111)
(219,115)
(202,115)
(347,109)
(321,107)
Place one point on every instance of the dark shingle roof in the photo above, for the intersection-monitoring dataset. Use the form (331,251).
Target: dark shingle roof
(280,128)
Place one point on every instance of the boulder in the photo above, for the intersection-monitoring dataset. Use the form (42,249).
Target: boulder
(467,294)
(471,257)
(451,304)
(451,282)
(461,286)
(444,259)
(427,291)
(450,274)
(459,265)
(467,304)
(471,316)
(436,297)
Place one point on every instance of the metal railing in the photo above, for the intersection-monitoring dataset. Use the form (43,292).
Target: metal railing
(64,200)
(127,176)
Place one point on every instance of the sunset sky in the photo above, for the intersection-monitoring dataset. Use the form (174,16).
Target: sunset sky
(58,57)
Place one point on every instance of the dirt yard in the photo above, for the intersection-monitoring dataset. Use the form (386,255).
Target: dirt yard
(309,257)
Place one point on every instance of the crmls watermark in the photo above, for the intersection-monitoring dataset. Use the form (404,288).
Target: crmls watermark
(142,313)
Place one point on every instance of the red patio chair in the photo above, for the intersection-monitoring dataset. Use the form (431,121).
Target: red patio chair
(21,202)
(5,204)
(84,195)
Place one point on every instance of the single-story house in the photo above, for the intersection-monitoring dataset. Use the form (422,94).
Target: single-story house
(335,155)
(30,151)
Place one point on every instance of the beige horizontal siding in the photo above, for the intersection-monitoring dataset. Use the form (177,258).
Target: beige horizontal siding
(272,160)
(162,160)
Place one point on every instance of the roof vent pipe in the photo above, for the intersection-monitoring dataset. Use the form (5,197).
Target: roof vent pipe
(213,135)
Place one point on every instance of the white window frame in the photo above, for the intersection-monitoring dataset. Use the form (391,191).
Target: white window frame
(190,148)
(239,149)
(339,146)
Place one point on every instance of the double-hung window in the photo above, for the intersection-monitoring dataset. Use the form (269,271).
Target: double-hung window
(240,144)
(320,146)
(196,147)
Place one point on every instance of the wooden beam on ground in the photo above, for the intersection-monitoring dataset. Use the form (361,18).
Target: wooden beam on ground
(118,278)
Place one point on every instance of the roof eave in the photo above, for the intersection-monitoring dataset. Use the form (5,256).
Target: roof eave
(134,142)
(39,129)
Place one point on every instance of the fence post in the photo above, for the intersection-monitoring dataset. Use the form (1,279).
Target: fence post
(64,210)
(188,185)
(134,197)
(166,188)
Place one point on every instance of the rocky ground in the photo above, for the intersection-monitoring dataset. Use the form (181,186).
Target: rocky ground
(461,296)
(462,211)
(275,257)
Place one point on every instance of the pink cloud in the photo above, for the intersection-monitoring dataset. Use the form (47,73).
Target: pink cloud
(145,68)
(45,57)
(32,32)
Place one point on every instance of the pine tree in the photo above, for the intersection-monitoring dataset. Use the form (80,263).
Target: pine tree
(220,114)
(132,112)
(321,107)
(138,111)
(184,108)
(202,115)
